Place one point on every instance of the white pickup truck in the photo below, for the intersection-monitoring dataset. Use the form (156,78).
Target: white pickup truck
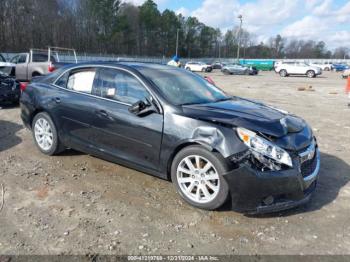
(41,62)
(297,68)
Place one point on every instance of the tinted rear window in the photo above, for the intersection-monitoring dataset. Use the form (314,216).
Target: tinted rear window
(42,58)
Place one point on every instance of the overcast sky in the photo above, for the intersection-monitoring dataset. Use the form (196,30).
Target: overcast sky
(327,20)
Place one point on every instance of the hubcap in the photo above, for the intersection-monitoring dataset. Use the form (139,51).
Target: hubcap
(43,134)
(198,179)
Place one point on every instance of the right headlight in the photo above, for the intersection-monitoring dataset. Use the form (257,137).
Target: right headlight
(264,147)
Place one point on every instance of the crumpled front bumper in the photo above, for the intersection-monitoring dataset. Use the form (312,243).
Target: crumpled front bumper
(9,90)
(256,192)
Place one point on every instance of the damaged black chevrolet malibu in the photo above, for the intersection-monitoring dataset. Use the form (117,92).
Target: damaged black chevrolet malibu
(175,125)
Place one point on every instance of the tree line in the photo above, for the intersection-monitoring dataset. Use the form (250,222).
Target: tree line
(116,27)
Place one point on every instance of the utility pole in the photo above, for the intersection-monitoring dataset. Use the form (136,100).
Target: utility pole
(240,17)
(177,41)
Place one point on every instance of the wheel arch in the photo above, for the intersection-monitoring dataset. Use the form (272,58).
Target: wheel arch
(183,145)
(41,110)
(36,73)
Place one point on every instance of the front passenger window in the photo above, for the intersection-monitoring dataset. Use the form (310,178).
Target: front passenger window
(121,86)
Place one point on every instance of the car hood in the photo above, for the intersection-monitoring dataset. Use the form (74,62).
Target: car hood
(255,116)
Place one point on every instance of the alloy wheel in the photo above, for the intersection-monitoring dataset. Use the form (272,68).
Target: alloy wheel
(198,179)
(43,134)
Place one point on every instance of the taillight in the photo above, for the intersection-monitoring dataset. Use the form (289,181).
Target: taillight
(23,86)
(51,67)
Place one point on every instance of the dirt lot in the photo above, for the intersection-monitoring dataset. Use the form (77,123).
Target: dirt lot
(78,204)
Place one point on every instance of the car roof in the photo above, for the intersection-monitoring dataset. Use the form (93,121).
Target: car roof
(133,65)
(136,66)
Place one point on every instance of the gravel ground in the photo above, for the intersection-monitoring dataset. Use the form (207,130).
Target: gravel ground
(77,204)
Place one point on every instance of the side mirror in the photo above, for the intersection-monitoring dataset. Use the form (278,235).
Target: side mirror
(142,108)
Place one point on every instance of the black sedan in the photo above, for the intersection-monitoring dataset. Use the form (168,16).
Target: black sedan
(175,125)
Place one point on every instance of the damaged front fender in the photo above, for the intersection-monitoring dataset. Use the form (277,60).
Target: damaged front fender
(212,136)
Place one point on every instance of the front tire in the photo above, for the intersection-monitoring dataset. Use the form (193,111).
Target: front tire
(197,176)
(45,134)
(310,74)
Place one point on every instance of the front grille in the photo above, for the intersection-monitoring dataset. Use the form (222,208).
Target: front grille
(309,166)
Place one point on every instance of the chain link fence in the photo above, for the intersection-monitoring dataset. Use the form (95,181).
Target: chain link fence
(86,57)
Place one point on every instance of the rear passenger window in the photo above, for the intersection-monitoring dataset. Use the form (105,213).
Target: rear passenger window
(22,59)
(42,58)
(81,81)
(62,81)
(120,86)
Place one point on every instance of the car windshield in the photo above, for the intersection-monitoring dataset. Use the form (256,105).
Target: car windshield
(183,88)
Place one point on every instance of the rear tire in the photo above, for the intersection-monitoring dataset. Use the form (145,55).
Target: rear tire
(45,135)
(188,68)
(197,176)
(283,73)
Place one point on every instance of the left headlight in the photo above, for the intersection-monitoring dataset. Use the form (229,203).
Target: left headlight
(264,147)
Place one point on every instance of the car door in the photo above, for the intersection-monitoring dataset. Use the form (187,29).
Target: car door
(196,67)
(74,106)
(22,67)
(123,134)
(301,68)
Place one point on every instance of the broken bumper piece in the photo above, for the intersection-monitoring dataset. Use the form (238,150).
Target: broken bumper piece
(256,192)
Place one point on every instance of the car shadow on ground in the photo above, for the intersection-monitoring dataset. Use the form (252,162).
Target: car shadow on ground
(8,136)
(4,106)
(71,152)
(334,174)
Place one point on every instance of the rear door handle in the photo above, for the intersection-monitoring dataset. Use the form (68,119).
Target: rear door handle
(57,100)
(102,113)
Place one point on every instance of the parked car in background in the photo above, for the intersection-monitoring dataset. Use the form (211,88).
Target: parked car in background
(235,69)
(9,89)
(324,66)
(340,67)
(176,125)
(346,73)
(198,67)
(217,65)
(297,68)
(40,62)
(5,67)
(252,70)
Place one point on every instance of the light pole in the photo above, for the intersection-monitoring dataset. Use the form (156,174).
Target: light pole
(240,17)
(177,41)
